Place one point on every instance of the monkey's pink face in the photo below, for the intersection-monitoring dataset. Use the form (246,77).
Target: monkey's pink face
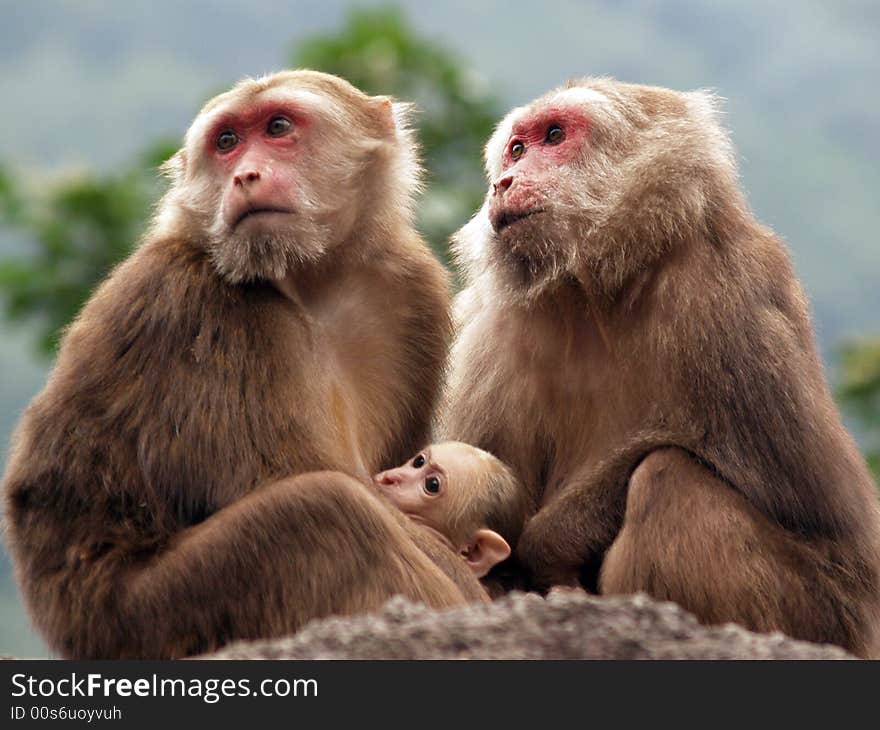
(418,487)
(274,192)
(545,169)
(540,144)
(271,172)
(256,154)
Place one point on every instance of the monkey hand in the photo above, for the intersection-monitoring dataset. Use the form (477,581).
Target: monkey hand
(551,551)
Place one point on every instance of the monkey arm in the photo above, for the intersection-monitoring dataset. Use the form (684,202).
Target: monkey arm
(315,545)
(569,535)
(571,531)
(301,548)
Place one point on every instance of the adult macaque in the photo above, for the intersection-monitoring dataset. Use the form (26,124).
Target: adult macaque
(635,345)
(466,496)
(281,316)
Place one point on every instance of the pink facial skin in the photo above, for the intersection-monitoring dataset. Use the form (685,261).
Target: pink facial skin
(406,486)
(519,191)
(257,171)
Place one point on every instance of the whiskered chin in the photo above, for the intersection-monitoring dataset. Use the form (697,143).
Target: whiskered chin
(247,210)
(265,246)
(530,256)
(260,215)
(503,219)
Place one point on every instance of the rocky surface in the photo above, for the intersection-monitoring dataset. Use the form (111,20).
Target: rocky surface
(565,625)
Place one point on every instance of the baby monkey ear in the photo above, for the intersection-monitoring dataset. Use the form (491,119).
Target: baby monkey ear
(485,550)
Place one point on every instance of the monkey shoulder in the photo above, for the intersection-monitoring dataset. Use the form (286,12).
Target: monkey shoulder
(167,304)
(411,267)
(128,379)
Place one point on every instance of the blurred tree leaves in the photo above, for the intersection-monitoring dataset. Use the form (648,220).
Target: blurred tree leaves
(378,52)
(859,393)
(79,227)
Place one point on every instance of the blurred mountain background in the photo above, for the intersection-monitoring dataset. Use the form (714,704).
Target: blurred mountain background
(95,93)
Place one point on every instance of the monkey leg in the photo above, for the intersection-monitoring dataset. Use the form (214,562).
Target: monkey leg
(301,548)
(688,537)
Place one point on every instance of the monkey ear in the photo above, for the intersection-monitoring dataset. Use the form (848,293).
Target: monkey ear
(706,103)
(485,550)
(174,167)
(394,115)
(403,113)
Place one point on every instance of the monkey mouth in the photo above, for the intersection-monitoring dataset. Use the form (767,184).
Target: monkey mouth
(249,212)
(506,218)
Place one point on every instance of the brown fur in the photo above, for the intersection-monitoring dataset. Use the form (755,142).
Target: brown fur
(655,383)
(150,509)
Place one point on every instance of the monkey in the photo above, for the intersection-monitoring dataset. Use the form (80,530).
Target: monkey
(468,497)
(197,467)
(636,346)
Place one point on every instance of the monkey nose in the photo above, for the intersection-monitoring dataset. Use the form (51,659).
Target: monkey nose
(387,478)
(245,178)
(499,186)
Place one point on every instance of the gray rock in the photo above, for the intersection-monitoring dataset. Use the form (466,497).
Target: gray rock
(567,624)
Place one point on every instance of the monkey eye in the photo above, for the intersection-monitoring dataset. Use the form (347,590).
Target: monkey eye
(419,461)
(278,126)
(226,140)
(516,150)
(554,135)
(432,485)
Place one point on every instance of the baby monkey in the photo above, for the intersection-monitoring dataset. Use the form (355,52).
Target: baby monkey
(468,497)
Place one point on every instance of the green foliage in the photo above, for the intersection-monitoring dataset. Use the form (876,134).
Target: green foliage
(78,229)
(378,52)
(859,393)
(10,203)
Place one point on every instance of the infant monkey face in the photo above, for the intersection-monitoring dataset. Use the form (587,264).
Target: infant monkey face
(425,486)
(416,486)
(445,487)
